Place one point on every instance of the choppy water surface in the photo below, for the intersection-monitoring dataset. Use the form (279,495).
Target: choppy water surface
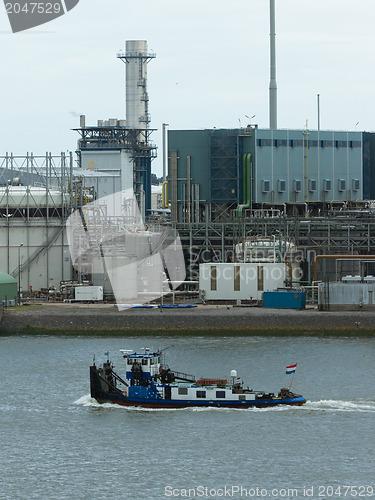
(57,443)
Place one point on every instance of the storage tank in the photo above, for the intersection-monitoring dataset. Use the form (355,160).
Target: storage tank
(31,197)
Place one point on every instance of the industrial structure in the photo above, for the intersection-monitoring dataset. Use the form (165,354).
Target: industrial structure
(229,194)
(116,154)
(307,189)
(39,193)
(218,173)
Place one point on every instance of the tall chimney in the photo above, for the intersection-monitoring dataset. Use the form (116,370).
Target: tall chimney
(273,84)
(136,57)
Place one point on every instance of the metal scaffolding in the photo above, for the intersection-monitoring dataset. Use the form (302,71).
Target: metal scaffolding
(216,242)
(36,197)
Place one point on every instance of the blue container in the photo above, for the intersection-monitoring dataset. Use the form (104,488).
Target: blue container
(284,299)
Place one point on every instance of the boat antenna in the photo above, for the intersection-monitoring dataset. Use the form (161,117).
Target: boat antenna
(166,348)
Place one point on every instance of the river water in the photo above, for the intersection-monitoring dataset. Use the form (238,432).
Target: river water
(56,443)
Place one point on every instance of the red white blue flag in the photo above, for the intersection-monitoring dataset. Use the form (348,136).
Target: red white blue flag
(291,369)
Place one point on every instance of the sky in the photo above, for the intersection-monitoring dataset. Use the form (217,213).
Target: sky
(211,68)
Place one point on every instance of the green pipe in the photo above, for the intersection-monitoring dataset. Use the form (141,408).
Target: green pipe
(246,183)
(244,179)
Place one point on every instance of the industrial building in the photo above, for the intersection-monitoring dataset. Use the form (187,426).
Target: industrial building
(352,293)
(116,154)
(312,190)
(215,174)
(39,193)
(309,192)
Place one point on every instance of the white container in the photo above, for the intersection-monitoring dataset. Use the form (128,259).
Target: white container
(88,293)
(240,281)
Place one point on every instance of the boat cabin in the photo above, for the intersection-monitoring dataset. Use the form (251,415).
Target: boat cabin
(149,362)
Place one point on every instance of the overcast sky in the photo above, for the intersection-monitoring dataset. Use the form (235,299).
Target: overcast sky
(211,67)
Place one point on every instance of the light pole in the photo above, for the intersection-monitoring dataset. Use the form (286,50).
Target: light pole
(19,273)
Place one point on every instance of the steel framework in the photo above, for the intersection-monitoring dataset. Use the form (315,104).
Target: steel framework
(207,242)
(135,141)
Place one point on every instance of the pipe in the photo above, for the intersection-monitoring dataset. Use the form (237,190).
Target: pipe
(173,171)
(164,135)
(188,186)
(352,257)
(164,195)
(246,183)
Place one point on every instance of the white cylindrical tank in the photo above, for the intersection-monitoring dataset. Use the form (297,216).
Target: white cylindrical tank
(32,197)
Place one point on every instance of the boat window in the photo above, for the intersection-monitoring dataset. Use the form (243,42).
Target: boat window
(183,391)
(201,394)
(151,361)
(144,361)
(220,394)
(242,397)
(130,361)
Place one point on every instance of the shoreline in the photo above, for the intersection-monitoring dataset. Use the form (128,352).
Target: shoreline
(106,320)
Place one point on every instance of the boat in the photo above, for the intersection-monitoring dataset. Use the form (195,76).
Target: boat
(149,383)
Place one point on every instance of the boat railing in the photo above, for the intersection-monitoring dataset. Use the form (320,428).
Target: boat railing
(183,376)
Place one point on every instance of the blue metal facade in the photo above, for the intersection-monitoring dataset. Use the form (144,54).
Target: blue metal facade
(288,166)
(307,166)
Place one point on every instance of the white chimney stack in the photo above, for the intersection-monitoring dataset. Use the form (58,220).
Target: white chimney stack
(136,57)
(273,84)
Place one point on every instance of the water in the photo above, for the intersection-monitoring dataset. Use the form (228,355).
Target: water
(57,443)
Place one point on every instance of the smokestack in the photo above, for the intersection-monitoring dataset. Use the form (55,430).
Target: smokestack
(136,57)
(273,84)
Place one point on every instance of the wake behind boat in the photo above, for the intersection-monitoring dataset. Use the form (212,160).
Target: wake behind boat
(150,383)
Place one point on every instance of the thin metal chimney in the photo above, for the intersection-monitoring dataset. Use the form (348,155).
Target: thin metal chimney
(273,84)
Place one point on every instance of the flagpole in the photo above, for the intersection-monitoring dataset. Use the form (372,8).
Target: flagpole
(292,380)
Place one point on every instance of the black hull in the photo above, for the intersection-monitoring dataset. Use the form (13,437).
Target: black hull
(102,390)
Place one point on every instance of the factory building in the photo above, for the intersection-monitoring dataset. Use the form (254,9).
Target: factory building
(214,174)
(39,193)
(115,154)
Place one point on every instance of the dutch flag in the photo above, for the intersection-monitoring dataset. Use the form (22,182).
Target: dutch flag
(291,369)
